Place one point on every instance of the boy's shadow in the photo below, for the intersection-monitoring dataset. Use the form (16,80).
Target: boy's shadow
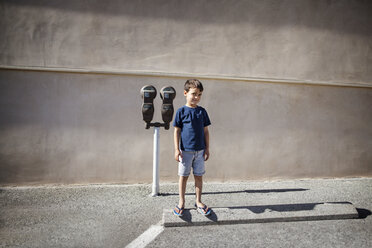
(212,216)
(187,217)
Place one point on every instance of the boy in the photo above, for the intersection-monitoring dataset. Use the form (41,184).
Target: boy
(191,141)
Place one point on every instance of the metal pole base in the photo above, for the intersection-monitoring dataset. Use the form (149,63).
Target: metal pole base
(155,168)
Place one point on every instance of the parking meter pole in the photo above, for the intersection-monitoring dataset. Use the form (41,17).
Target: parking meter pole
(155,172)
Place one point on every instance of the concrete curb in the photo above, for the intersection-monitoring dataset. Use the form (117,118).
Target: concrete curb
(263,214)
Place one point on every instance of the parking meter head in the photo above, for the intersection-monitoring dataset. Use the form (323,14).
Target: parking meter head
(167,94)
(148,93)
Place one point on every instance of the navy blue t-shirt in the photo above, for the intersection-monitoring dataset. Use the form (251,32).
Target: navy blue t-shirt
(192,122)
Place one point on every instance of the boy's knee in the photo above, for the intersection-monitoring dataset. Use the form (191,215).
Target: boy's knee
(200,178)
(184,178)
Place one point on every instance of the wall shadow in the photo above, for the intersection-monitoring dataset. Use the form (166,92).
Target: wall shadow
(279,208)
(259,191)
(285,207)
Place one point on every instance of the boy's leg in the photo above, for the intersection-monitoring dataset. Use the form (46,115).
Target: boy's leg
(198,190)
(182,190)
(199,170)
(201,207)
(184,168)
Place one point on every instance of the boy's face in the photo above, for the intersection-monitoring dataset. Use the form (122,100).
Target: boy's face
(192,97)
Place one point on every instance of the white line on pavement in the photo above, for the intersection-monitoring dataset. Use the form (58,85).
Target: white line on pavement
(146,237)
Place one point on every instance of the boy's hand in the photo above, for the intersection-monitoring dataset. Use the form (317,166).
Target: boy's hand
(177,155)
(206,154)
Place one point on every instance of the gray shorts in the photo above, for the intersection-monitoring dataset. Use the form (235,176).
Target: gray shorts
(194,159)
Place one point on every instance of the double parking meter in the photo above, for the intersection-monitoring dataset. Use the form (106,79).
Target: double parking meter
(148,94)
(167,94)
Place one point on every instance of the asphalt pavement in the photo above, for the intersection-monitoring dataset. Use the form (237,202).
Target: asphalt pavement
(125,215)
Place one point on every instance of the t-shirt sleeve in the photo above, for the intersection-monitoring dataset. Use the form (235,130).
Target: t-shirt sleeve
(207,122)
(177,119)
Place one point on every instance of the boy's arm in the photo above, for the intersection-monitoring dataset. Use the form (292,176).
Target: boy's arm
(206,137)
(177,151)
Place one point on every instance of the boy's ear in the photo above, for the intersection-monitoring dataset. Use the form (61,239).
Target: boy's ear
(184,92)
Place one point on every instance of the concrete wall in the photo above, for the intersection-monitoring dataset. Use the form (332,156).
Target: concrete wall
(79,128)
(59,127)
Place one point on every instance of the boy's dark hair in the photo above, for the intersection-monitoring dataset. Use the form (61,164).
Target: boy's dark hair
(193,83)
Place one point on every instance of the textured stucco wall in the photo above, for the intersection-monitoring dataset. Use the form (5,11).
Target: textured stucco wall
(87,127)
(83,128)
(287,39)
